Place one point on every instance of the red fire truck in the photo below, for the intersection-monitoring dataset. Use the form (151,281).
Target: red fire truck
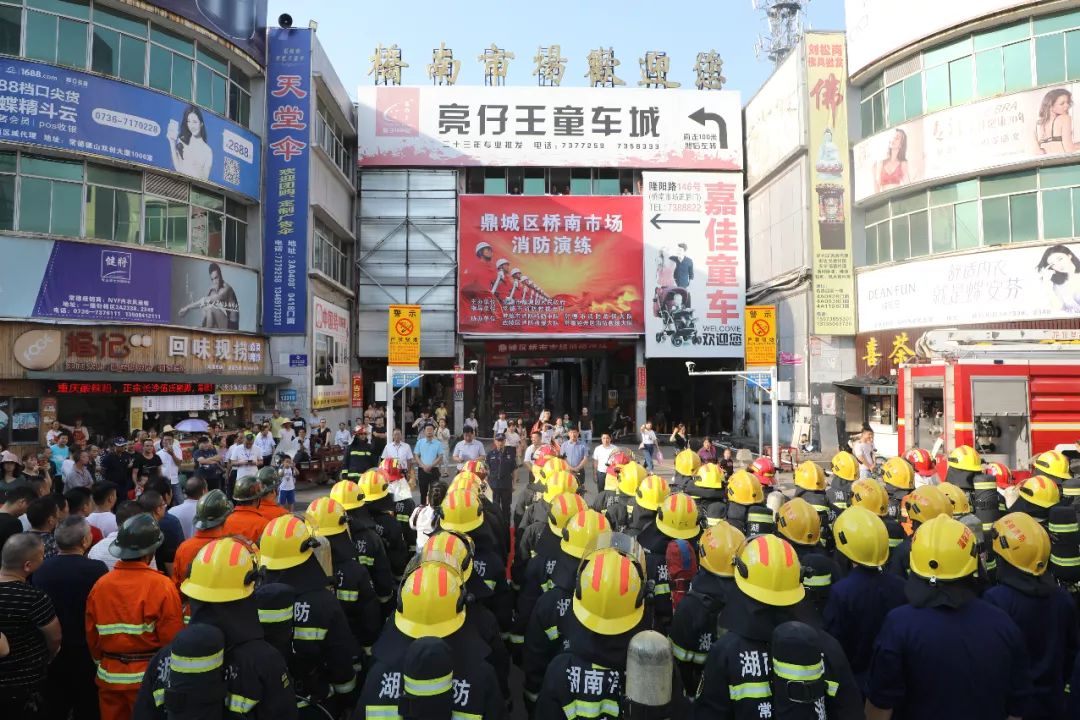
(1011,394)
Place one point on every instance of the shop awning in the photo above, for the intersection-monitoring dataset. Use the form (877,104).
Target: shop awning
(867,386)
(199,378)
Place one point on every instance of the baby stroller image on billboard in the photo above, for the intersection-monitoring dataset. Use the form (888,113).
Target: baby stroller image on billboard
(672,306)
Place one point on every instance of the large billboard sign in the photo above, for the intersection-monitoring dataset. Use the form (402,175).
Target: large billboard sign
(878,28)
(84,282)
(834,276)
(1008,130)
(1029,283)
(454,126)
(52,107)
(241,22)
(695,271)
(550,265)
(775,122)
(288,139)
(330,371)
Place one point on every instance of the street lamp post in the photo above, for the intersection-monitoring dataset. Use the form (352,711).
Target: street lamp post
(391,371)
(771,391)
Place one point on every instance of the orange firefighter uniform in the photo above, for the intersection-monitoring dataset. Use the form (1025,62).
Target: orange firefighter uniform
(131,613)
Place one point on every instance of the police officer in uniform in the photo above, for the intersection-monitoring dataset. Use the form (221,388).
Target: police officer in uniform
(746,509)
(926,663)
(323,647)
(694,625)
(243,678)
(431,604)
(370,550)
(767,664)
(502,464)
(859,602)
(354,589)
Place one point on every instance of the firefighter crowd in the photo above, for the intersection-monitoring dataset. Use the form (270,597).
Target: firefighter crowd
(903,596)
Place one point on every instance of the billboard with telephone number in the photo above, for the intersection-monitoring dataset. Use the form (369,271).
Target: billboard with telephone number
(55,107)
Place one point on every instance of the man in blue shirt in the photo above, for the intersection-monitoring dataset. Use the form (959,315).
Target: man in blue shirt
(947,654)
(576,454)
(429,456)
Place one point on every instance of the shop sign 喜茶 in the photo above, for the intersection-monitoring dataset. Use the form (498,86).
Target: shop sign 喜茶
(880,354)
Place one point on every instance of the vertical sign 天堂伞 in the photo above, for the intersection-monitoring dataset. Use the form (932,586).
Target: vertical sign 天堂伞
(287,167)
(695,273)
(834,278)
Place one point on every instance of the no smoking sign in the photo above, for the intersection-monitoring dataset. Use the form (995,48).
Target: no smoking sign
(403,335)
(760,347)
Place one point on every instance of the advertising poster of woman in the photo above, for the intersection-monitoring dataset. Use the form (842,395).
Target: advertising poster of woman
(191,153)
(993,133)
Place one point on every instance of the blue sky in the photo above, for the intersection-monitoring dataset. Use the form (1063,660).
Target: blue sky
(350,30)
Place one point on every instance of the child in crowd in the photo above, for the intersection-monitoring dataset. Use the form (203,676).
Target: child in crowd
(140,485)
(423,519)
(287,490)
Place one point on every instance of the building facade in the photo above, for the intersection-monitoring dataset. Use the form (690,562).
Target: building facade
(799,235)
(308,294)
(133,153)
(551,235)
(965,181)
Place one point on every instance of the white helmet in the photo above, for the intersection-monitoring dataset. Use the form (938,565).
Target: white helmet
(502,261)
(481,247)
(515,271)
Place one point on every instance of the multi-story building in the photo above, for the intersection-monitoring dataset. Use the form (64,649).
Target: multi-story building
(132,153)
(579,244)
(799,242)
(966,183)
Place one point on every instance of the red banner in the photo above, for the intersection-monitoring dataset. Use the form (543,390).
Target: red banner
(357,390)
(557,265)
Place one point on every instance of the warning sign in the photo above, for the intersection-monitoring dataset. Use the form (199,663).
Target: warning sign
(760,335)
(403,338)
